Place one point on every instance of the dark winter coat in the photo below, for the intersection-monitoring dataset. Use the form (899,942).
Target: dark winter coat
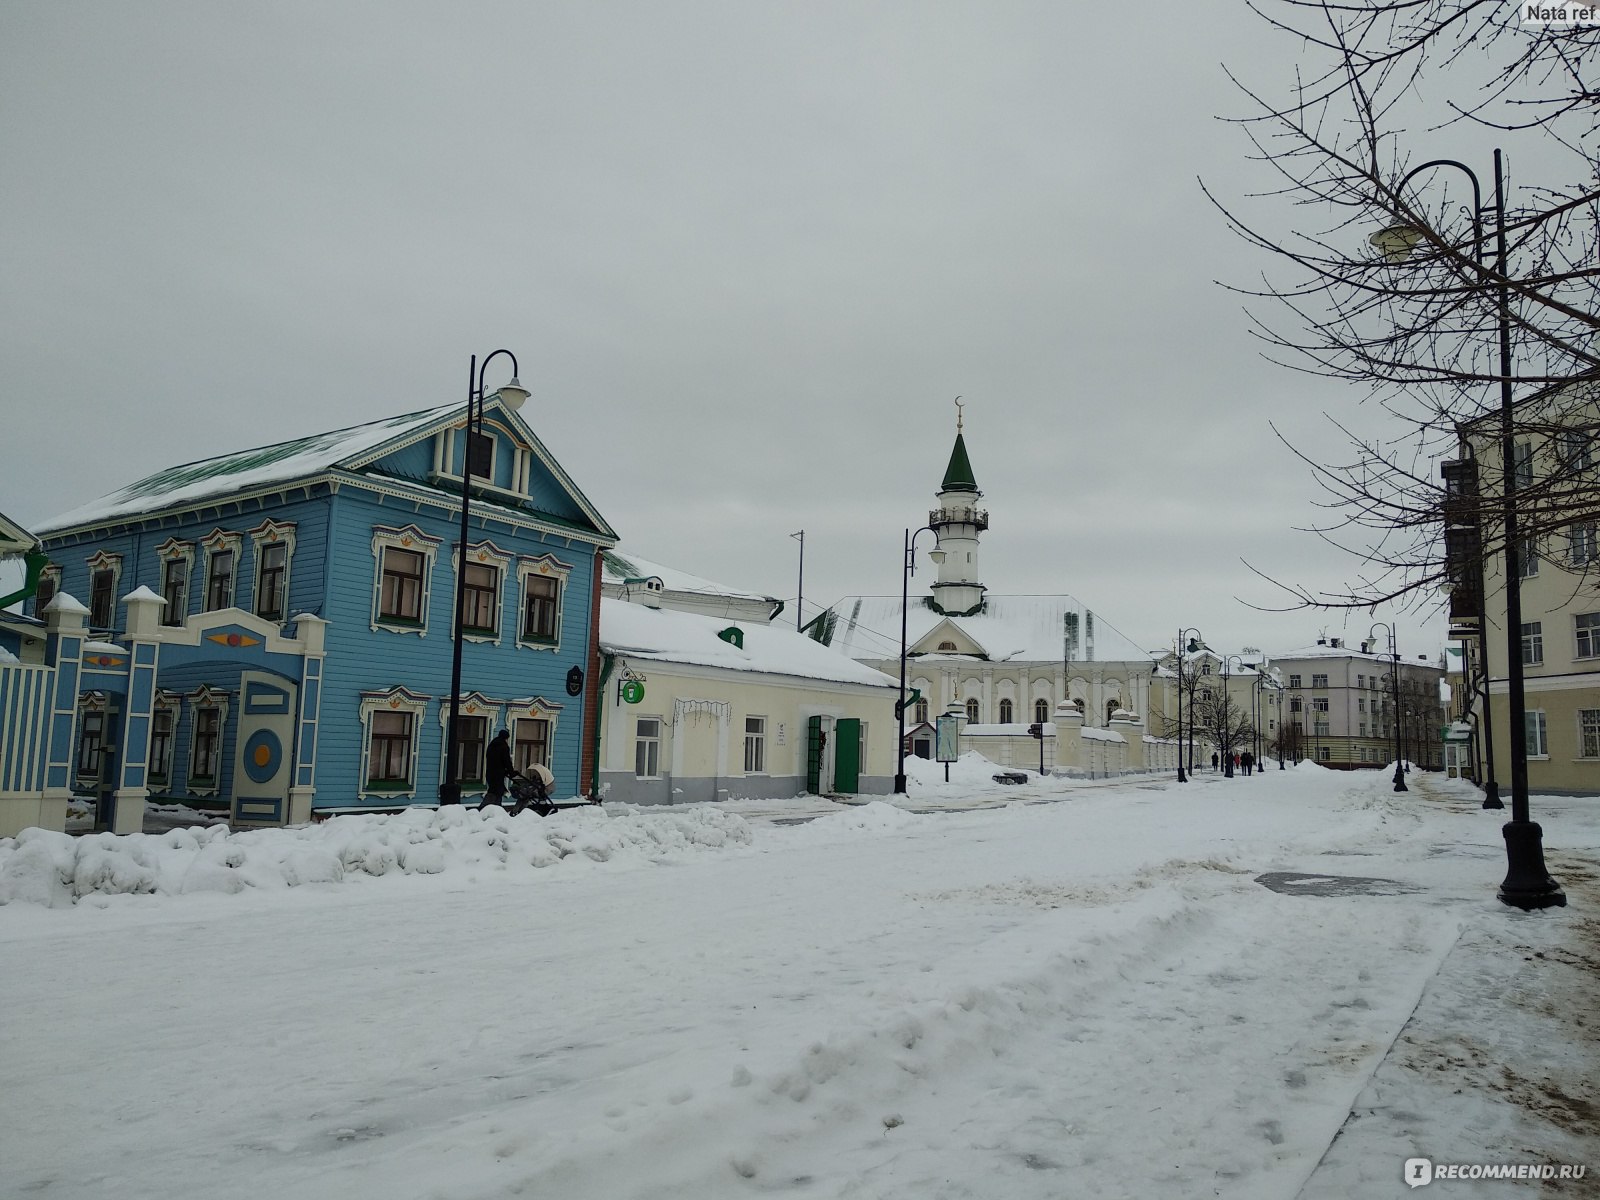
(499,764)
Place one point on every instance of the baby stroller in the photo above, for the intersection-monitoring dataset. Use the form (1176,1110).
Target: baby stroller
(529,793)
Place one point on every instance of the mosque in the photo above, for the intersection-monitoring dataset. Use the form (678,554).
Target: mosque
(1003,662)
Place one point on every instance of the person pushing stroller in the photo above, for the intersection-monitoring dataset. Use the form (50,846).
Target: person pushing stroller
(530,790)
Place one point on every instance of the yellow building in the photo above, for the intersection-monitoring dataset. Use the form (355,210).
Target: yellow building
(1557,463)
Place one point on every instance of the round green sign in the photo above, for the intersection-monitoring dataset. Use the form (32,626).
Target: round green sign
(632,691)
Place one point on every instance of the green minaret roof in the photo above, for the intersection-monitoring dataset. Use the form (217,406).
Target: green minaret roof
(958,475)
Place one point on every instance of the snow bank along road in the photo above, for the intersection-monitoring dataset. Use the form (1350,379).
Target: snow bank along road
(1092,997)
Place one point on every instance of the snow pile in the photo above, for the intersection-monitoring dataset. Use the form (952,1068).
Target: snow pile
(970,768)
(56,870)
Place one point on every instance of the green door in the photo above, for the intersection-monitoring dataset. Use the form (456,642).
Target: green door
(814,756)
(847,755)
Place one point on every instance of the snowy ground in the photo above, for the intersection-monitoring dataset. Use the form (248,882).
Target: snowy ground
(1051,990)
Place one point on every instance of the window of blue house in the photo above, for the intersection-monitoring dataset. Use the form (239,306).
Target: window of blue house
(390,759)
(207,744)
(163,723)
(480,600)
(400,597)
(222,565)
(49,585)
(542,583)
(274,547)
(403,563)
(272,570)
(105,570)
(91,744)
(175,590)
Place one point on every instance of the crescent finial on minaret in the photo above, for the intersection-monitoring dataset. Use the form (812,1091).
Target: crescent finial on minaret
(959,407)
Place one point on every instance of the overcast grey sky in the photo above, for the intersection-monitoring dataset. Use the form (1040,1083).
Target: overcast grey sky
(746,254)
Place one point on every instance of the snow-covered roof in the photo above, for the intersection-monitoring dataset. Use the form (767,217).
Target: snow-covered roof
(1329,650)
(668,635)
(245,469)
(622,565)
(14,539)
(1010,628)
(353,449)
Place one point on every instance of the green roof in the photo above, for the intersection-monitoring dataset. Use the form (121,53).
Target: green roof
(958,475)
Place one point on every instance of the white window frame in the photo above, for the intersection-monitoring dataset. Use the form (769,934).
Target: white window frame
(271,533)
(535,708)
(484,554)
(1588,632)
(1533,643)
(476,706)
(103,561)
(206,699)
(411,539)
(159,772)
(1537,733)
(1581,544)
(1588,733)
(755,745)
(647,745)
(214,543)
(92,714)
(169,552)
(395,699)
(51,575)
(543,566)
(444,458)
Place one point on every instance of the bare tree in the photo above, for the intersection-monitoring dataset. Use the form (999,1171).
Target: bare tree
(1347,152)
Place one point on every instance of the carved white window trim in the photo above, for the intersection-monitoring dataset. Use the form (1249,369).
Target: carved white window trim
(536,708)
(271,533)
(99,561)
(170,702)
(501,437)
(52,575)
(395,699)
(170,551)
(482,554)
(214,543)
(544,566)
(472,704)
(205,698)
(409,538)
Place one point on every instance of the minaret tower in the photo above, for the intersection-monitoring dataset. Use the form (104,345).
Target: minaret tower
(958,521)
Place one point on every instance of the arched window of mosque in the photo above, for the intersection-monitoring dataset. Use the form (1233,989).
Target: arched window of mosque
(1077,703)
(1005,712)
(947,645)
(1111,707)
(922,712)
(972,711)
(1041,710)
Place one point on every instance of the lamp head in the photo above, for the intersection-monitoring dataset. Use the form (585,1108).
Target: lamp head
(513,394)
(1396,242)
(937,555)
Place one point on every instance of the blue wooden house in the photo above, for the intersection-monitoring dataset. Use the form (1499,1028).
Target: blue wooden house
(272,629)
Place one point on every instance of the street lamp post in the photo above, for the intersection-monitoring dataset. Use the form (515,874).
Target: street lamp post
(1527,884)
(512,395)
(1194,644)
(909,568)
(1394,657)
(1223,726)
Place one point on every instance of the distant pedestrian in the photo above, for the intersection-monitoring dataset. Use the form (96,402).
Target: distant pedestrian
(1214,760)
(1249,762)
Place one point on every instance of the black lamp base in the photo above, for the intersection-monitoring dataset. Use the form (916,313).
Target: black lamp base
(1491,795)
(1527,884)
